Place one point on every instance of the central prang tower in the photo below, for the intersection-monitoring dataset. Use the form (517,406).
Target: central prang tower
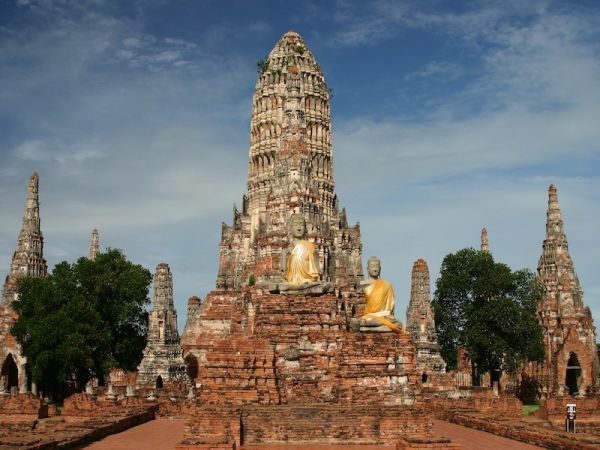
(276,360)
(290,171)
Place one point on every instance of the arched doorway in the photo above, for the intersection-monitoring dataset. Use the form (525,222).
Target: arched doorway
(159,382)
(424,378)
(495,376)
(10,372)
(573,375)
(191,366)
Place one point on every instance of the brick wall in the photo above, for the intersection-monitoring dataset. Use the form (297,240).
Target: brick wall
(556,407)
(21,407)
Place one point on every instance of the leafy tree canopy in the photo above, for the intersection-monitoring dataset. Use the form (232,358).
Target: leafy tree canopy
(82,320)
(489,310)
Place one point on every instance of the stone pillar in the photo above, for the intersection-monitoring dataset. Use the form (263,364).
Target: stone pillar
(95,244)
(485,244)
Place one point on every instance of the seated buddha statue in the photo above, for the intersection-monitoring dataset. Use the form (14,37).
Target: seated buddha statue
(379,306)
(300,263)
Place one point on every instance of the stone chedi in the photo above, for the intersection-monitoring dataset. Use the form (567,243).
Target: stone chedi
(420,323)
(94,245)
(485,243)
(290,171)
(571,362)
(271,350)
(163,361)
(27,261)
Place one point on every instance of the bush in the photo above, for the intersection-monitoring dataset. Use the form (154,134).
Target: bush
(528,391)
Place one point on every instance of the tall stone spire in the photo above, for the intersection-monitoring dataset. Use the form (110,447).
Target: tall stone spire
(28,258)
(95,244)
(570,335)
(556,262)
(162,355)
(290,171)
(27,261)
(420,320)
(485,244)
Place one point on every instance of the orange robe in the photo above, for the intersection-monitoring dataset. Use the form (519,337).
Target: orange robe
(380,303)
(301,264)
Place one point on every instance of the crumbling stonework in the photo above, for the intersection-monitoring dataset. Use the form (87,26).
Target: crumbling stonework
(571,362)
(420,323)
(255,347)
(21,407)
(162,362)
(27,261)
(290,171)
(258,349)
(26,422)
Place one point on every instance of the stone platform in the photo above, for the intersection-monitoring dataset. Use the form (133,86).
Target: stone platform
(276,369)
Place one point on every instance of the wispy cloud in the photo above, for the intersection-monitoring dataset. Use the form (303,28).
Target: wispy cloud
(439,69)
(154,54)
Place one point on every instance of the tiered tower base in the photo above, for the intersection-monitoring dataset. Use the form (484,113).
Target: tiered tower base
(277,369)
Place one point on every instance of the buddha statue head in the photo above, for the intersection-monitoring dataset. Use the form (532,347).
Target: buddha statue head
(297,226)
(373,267)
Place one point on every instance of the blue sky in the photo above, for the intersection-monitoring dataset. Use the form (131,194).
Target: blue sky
(447,117)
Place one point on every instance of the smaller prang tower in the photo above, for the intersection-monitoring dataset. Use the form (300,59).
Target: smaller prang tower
(27,261)
(420,322)
(163,361)
(94,245)
(485,242)
(571,363)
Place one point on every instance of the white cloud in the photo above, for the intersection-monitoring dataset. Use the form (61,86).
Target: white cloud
(32,150)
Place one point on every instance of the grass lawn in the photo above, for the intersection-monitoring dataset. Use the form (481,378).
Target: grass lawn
(530,409)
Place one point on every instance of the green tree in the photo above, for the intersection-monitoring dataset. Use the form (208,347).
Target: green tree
(82,320)
(489,310)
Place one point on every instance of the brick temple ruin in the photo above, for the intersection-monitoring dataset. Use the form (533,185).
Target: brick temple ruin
(284,367)
(27,261)
(571,362)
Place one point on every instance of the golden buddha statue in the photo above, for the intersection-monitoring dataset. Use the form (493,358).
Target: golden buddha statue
(301,257)
(300,262)
(379,307)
